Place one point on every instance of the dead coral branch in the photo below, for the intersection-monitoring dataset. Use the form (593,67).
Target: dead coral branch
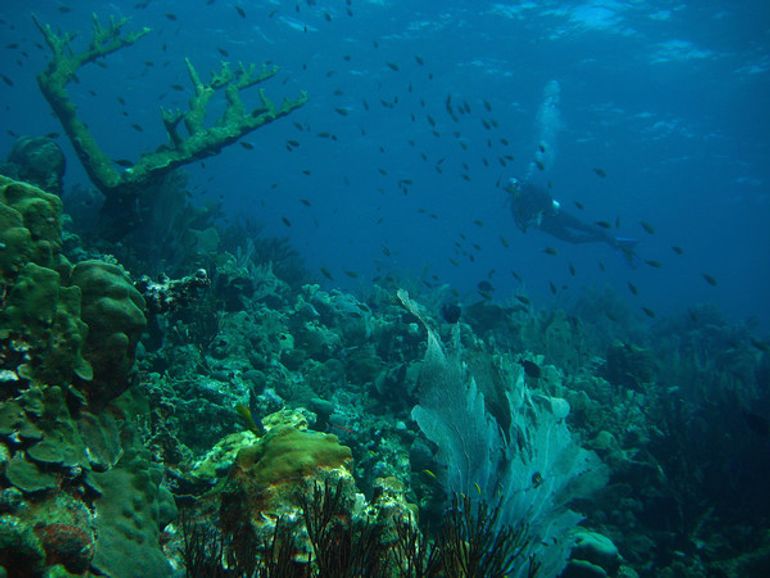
(121,187)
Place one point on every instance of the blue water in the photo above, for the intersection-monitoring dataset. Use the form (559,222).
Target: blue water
(668,99)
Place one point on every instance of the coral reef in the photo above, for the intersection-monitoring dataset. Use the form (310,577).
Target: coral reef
(311,432)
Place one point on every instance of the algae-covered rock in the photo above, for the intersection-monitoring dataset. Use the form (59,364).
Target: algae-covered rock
(26,476)
(38,160)
(11,417)
(21,554)
(114,312)
(30,226)
(130,514)
(593,555)
(48,316)
(39,308)
(64,526)
(221,457)
(101,436)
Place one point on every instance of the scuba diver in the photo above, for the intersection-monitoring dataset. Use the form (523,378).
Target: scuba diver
(533,206)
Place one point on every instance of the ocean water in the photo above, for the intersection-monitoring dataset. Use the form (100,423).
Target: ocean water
(664,99)
(647,121)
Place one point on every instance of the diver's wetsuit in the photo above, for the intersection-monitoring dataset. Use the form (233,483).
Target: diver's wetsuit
(532,206)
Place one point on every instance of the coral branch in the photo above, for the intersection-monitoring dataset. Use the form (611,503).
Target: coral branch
(121,188)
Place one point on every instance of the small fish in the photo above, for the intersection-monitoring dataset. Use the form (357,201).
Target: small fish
(600,172)
(523,299)
(286,221)
(241,12)
(430,474)
(649,229)
(305,202)
(352,274)
(393,66)
(649,312)
(478,222)
(710,279)
(248,420)
(223,52)
(137,127)
(603,224)
(551,251)
(504,242)
(247,145)
(579,205)
(552,287)
(541,148)
(572,270)
(125,163)
(677,249)
(7,79)
(653,263)
(325,272)
(419,59)
(170,16)
(342,111)
(633,288)
(531,368)
(540,165)
(487,105)
(177,87)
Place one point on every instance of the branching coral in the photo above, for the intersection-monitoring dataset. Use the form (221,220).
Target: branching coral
(122,188)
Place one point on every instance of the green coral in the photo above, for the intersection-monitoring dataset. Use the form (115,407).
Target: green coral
(130,514)
(30,226)
(39,308)
(288,454)
(114,312)
(26,476)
